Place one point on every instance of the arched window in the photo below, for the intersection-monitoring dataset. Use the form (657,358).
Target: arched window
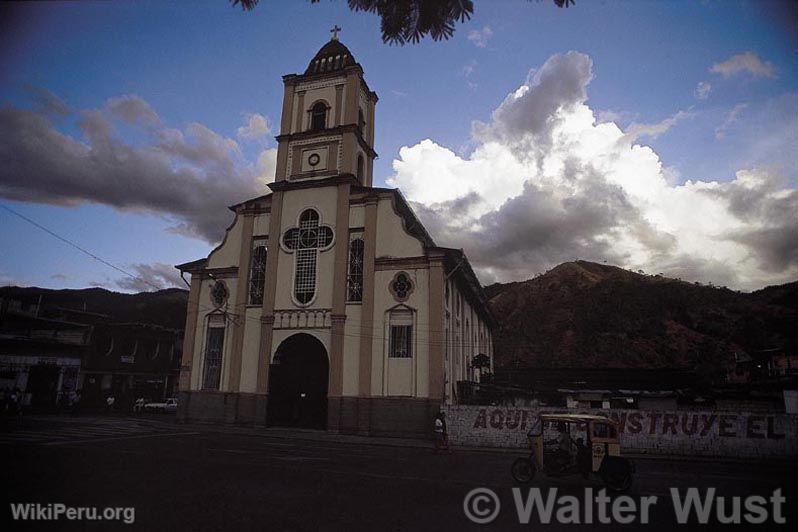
(318,117)
(354,278)
(360,168)
(214,348)
(257,272)
(400,343)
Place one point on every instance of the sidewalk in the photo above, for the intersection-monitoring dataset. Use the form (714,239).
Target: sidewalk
(323,436)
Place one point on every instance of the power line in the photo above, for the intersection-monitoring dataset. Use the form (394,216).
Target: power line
(94,256)
(79,248)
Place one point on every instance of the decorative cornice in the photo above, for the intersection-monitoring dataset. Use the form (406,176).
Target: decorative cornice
(400,263)
(313,183)
(337,130)
(303,318)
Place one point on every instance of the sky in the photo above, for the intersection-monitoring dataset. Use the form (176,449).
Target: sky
(656,136)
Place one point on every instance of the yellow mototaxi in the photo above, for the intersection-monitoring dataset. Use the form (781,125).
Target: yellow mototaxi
(583,444)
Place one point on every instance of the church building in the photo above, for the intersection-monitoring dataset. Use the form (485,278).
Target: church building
(327,304)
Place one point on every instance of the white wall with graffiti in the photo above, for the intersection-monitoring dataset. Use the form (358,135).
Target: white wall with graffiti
(689,432)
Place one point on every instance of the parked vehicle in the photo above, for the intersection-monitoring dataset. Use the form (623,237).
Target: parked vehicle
(599,455)
(170,405)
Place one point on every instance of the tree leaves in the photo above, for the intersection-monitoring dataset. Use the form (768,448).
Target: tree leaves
(408,21)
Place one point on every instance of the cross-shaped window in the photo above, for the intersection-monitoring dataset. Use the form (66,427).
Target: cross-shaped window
(305,242)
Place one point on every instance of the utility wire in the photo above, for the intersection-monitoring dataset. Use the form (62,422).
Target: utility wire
(157,287)
(79,248)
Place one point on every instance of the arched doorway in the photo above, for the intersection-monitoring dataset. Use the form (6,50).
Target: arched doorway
(298,379)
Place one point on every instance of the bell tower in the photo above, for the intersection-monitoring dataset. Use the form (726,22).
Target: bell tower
(327,125)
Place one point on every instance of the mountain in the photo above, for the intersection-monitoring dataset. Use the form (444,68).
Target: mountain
(166,308)
(583,314)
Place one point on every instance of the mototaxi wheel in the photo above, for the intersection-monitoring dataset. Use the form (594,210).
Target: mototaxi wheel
(523,470)
(617,480)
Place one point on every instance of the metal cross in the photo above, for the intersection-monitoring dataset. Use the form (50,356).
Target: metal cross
(335,31)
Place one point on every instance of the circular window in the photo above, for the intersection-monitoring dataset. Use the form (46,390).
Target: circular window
(401,286)
(314,159)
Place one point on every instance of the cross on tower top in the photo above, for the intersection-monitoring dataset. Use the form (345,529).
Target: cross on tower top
(335,29)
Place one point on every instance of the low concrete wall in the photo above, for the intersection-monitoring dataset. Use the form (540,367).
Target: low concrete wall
(221,407)
(397,417)
(697,433)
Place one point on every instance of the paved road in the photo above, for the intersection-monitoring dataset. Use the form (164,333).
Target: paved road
(210,478)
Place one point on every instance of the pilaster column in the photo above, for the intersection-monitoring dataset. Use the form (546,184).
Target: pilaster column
(269,291)
(339,291)
(436,326)
(367,305)
(190,333)
(234,380)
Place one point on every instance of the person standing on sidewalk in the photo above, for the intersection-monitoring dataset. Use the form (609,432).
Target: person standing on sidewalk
(441,436)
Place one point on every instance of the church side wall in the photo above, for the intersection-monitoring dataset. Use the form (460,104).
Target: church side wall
(226,254)
(404,377)
(467,336)
(392,239)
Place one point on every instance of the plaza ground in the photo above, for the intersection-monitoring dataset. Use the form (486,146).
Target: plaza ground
(199,477)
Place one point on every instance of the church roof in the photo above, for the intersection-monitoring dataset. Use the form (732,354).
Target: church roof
(332,56)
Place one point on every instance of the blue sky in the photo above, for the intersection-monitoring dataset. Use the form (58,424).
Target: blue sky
(215,65)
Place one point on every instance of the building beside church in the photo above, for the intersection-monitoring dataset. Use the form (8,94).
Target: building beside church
(328,304)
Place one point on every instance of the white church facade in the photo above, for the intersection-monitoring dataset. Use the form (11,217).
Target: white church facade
(328,304)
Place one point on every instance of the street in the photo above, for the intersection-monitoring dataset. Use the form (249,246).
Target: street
(194,477)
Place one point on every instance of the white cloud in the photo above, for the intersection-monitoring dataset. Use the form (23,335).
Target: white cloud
(546,183)
(187,175)
(636,131)
(470,68)
(149,277)
(748,63)
(731,118)
(255,128)
(481,37)
(132,109)
(702,90)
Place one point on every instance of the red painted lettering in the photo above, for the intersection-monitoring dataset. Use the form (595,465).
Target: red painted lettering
(693,428)
(496,419)
(772,434)
(708,422)
(726,426)
(620,419)
(669,421)
(753,430)
(634,423)
(653,427)
(482,419)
